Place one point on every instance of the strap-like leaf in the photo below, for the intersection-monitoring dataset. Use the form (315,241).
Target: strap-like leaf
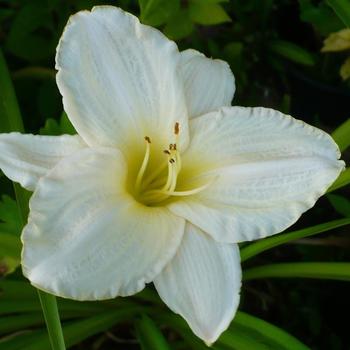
(341,135)
(342,180)
(318,270)
(149,335)
(342,9)
(274,241)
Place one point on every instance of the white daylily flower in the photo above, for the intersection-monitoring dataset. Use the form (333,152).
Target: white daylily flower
(162,181)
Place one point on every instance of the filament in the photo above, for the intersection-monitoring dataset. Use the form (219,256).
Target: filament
(160,185)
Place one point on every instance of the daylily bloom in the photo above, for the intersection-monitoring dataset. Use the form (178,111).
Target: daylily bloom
(163,179)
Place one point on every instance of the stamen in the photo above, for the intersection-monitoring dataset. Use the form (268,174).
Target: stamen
(144,164)
(159,195)
(149,179)
(174,176)
(147,139)
(178,162)
(189,192)
(170,175)
(160,185)
(173,156)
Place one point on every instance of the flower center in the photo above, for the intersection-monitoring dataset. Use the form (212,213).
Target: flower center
(161,182)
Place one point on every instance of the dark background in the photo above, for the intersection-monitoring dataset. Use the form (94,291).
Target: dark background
(294,77)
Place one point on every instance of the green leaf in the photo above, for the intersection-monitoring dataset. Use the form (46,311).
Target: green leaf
(74,332)
(345,69)
(17,290)
(10,221)
(320,16)
(234,54)
(5,13)
(292,52)
(274,241)
(210,1)
(179,324)
(11,120)
(318,270)
(25,39)
(342,9)
(8,306)
(258,329)
(54,128)
(48,99)
(20,322)
(18,296)
(51,128)
(10,253)
(245,333)
(8,265)
(340,204)
(239,339)
(11,112)
(10,115)
(157,12)
(149,335)
(342,180)
(285,104)
(21,341)
(341,135)
(207,13)
(38,73)
(66,126)
(179,26)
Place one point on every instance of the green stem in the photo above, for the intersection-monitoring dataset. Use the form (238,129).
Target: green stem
(52,319)
(11,120)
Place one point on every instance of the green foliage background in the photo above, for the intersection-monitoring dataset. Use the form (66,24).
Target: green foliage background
(273,47)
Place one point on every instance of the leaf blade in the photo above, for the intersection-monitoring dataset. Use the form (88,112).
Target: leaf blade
(342,9)
(292,52)
(315,270)
(274,241)
(341,135)
(150,337)
(342,180)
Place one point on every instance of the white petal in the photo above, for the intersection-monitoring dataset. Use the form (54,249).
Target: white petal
(87,238)
(202,283)
(24,158)
(209,84)
(119,79)
(268,169)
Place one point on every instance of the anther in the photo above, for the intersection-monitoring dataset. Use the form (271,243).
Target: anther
(172,161)
(177,128)
(166,152)
(147,139)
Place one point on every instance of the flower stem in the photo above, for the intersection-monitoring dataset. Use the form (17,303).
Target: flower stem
(52,319)
(11,120)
